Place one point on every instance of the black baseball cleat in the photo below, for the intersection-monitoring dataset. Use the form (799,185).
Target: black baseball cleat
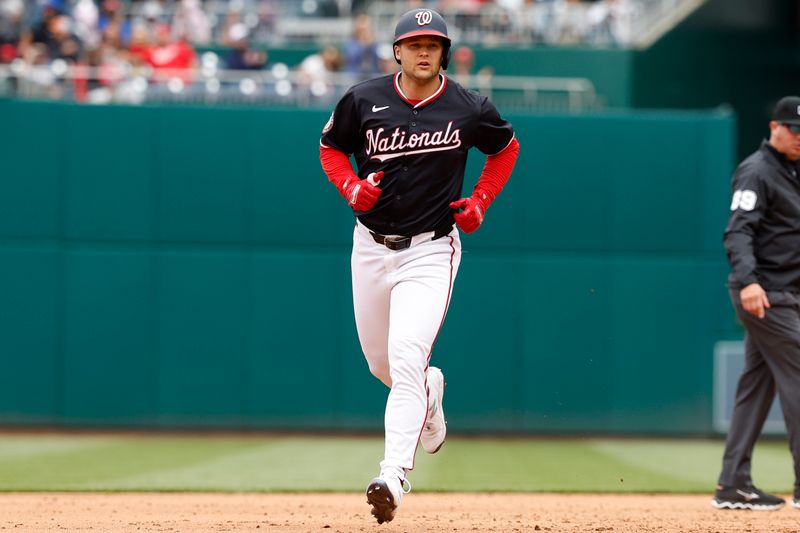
(384,503)
(745,498)
(796,503)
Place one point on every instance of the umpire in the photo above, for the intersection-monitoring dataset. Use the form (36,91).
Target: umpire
(762,241)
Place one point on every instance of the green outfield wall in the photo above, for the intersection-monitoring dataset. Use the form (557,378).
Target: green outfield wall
(187,267)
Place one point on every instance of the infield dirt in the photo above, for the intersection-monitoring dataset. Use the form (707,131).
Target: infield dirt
(349,513)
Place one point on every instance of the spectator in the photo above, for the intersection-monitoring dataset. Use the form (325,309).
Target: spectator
(264,29)
(320,67)
(153,11)
(38,33)
(467,16)
(388,62)
(463,63)
(35,54)
(11,12)
(108,64)
(60,42)
(232,18)
(317,73)
(111,15)
(463,67)
(141,41)
(242,56)
(508,21)
(610,22)
(537,23)
(191,22)
(87,17)
(150,16)
(361,51)
(169,55)
(570,21)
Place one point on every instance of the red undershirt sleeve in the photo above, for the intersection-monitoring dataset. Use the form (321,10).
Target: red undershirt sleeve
(337,166)
(496,172)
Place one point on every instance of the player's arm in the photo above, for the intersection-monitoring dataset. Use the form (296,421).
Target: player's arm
(493,178)
(340,138)
(360,194)
(747,210)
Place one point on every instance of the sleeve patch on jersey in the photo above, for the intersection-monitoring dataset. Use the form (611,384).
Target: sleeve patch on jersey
(328,125)
(744,199)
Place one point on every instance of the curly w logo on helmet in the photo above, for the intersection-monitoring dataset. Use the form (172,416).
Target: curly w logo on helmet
(424,17)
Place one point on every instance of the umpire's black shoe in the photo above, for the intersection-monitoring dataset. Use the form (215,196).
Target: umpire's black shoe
(745,498)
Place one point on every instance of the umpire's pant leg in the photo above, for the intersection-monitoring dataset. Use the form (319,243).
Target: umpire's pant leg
(755,393)
(780,342)
(774,342)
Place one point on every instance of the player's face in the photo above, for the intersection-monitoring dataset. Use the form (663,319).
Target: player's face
(420,57)
(785,140)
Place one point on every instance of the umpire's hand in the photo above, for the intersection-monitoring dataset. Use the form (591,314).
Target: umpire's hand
(754,300)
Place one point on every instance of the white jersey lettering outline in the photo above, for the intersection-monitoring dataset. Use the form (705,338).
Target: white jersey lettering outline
(397,144)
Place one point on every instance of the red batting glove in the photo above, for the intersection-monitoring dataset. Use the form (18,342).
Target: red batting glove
(362,194)
(471,214)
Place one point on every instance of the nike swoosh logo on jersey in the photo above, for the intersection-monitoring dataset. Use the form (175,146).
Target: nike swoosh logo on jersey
(375,108)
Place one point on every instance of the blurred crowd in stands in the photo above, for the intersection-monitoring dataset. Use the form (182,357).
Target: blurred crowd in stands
(110,39)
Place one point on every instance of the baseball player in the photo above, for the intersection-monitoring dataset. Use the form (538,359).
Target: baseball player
(762,241)
(409,133)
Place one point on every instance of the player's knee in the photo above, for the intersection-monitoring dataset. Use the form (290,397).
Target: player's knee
(381,371)
(409,370)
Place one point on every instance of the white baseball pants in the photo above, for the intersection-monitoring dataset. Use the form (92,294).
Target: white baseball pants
(400,300)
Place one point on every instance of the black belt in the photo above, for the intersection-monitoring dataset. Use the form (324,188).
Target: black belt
(401,243)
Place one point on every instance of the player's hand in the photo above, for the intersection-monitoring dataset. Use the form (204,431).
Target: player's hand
(469,213)
(754,300)
(362,194)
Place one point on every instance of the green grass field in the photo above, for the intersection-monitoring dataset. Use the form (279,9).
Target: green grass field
(141,462)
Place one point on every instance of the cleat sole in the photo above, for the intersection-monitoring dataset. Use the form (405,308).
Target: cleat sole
(745,506)
(383,505)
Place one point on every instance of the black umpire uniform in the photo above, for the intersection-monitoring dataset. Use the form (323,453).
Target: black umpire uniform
(762,241)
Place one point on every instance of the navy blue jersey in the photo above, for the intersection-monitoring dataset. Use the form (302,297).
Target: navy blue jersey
(422,149)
